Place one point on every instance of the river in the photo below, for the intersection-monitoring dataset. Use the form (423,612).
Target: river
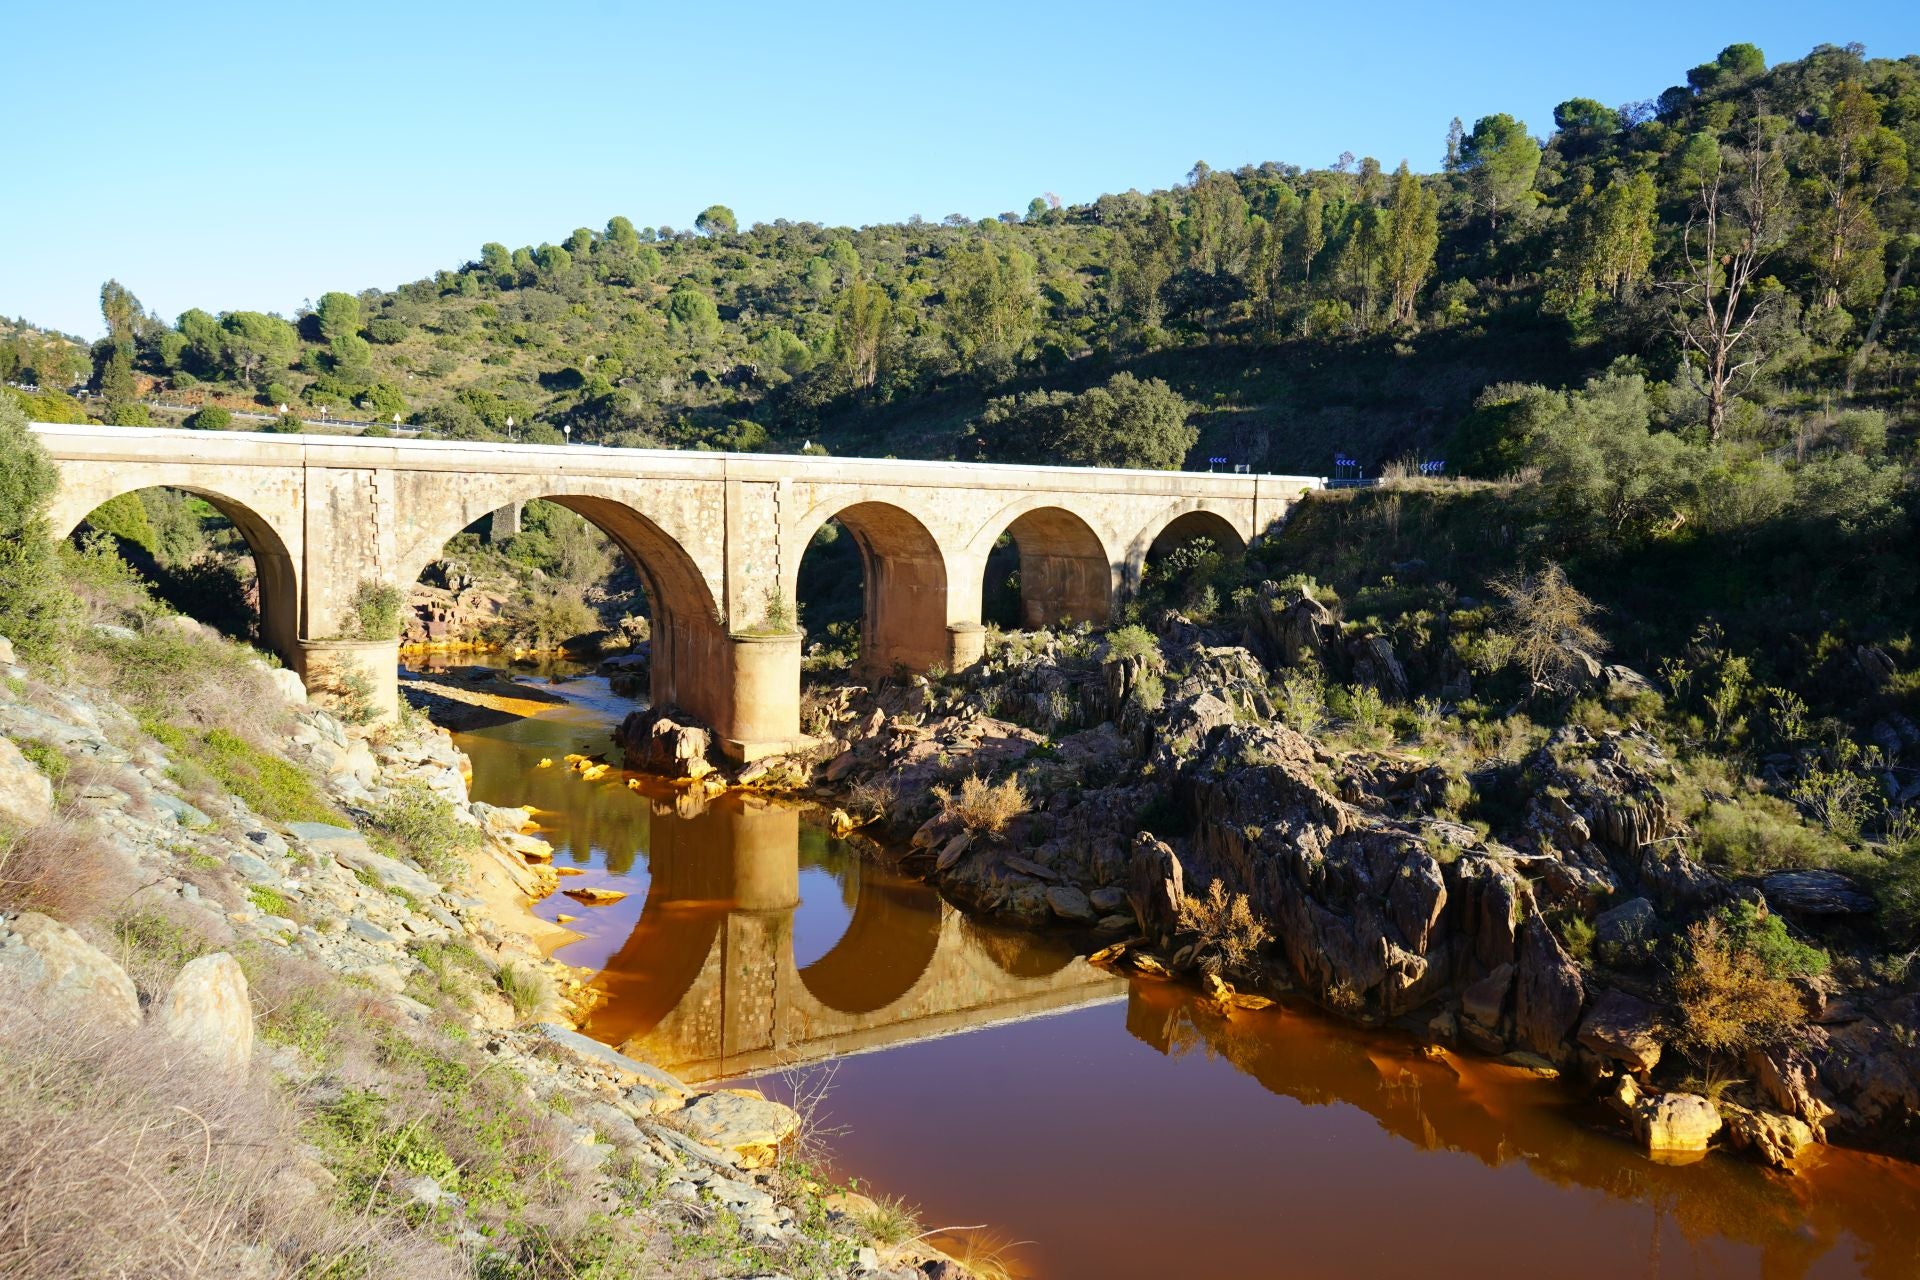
(1076,1124)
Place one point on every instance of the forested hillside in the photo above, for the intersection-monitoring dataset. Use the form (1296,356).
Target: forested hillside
(1744,240)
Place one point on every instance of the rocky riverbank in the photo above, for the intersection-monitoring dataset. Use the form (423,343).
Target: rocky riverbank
(376,946)
(1152,795)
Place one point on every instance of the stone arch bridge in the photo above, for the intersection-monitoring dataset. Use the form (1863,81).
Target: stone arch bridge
(716,539)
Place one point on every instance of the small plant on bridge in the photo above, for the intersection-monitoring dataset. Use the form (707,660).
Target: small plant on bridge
(373,612)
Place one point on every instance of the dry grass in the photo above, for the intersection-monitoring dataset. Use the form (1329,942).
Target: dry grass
(121,1155)
(981,806)
(65,870)
(1225,923)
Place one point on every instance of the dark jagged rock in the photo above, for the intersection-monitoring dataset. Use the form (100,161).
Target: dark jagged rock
(1623,1028)
(1815,893)
(1549,994)
(1156,883)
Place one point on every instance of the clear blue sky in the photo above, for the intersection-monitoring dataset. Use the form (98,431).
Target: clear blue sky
(256,155)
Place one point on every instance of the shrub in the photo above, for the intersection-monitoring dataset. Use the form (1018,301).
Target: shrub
(425,824)
(526,988)
(1131,641)
(121,1155)
(1225,923)
(211,418)
(981,806)
(1761,833)
(63,869)
(1734,989)
(373,611)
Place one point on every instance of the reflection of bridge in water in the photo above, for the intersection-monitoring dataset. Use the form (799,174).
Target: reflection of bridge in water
(707,984)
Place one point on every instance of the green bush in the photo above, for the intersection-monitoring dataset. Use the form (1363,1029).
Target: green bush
(36,608)
(1761,833)
(1131,641)
(211,418)
(374,611)
(425,824)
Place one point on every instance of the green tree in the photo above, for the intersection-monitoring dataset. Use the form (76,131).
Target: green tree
(339,317)
(991,298)
(1313,231)
(255,347)
(1501,161)
(716,220)
(36,605)
(692,316)
(1413,234)
(863,332)
(1126,423)
(1854,162)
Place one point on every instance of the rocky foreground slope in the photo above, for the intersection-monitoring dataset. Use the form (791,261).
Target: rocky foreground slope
(415,1101)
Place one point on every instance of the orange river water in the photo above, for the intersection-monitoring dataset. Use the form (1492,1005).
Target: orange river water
(1067,1123)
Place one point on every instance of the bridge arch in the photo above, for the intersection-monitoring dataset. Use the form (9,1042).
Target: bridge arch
(1066,570)
(688,642)
(1184,524)
(275,565)
(903,616)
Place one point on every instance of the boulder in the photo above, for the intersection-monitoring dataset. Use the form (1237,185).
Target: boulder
(1070,904)
(625,1069)
(1769,1136)
(1667,1123)
(26,797)
(1375,663)
(1300,632)
(1550,993)
(1623,1028)
(745,1123)
(291,687)
(350,849)
(1628,931)
(1485,1002)
(1678,1122)
(6,652)
(68,971)
(1815,893)
(657,743)
(1155,886)
(208,1009)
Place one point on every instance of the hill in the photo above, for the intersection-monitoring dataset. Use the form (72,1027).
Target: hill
(1301,312)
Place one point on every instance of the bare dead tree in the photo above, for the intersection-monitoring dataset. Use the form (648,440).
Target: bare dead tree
(1736,223)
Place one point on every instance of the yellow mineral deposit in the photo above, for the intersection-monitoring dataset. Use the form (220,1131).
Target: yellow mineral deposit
(594,895)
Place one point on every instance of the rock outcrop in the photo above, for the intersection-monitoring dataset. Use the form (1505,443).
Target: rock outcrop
(66,970)
(208,1010)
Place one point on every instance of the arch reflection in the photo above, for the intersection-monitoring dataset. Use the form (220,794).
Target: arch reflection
(707,983)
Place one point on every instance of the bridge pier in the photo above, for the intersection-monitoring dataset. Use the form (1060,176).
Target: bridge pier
(351,670)
(753,697)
